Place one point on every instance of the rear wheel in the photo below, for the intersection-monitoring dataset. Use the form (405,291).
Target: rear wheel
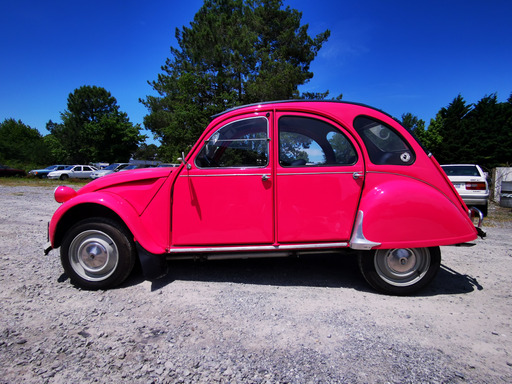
(97,254)
(64,177)
(400,271)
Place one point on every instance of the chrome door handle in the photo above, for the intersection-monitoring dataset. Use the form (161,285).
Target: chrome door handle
(265,177)
(357,175)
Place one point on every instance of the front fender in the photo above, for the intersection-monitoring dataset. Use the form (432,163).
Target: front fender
(404,212)
(86,205)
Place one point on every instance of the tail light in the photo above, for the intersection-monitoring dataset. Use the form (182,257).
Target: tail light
(476,186)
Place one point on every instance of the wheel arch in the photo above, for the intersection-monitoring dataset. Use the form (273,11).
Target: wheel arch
(81,212)
(101,205)
(404,212)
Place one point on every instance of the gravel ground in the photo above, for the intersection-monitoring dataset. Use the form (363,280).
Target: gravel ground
(295,320)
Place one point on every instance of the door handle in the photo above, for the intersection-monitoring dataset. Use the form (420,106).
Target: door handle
(357,175)
(265,177)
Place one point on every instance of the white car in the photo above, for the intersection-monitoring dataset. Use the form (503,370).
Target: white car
(73,172)
(470,182)
(115,167)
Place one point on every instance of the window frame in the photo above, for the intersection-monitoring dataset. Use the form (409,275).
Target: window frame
(334,128)
(235,121)
(372,149)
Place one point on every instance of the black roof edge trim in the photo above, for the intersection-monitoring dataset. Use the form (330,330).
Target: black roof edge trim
(299,101)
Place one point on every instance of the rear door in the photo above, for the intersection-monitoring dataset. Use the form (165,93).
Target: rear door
(320,174)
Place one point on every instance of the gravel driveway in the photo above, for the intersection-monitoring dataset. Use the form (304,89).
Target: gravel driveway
(292,320)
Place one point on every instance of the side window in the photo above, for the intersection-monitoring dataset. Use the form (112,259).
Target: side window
(243,143)
(384,145)
(305,141)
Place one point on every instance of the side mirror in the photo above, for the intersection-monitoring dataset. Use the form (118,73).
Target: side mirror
(182,160)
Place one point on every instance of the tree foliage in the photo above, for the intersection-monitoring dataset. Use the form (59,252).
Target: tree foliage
(93,129)
(476,134)
(234,52)
(21,144)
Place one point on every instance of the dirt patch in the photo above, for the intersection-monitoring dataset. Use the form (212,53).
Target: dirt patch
(306,320)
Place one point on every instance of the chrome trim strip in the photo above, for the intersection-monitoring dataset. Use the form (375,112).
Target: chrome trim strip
(228,174)
(358,241)
(258,248)
(315,173)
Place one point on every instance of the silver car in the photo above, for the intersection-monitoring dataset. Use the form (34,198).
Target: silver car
(115,167)
(73,172)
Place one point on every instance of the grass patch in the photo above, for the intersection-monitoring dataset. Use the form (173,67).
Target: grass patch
(36,182)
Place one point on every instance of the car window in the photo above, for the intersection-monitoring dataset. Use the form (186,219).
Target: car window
(305,141)
(461,170)
(242,143)
(86,169)
(384,145)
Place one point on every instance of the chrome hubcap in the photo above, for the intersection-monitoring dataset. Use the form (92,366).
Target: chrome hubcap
(93,255)
(402,267)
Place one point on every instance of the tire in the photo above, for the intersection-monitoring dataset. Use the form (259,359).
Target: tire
(400,271)
(64,177)
(97,253)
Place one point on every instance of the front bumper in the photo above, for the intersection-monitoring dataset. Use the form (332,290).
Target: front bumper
(47,248)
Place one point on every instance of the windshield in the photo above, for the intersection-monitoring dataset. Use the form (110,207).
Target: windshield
(111,167)
(51,167)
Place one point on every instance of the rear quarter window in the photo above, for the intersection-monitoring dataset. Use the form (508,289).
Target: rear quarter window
(385,146)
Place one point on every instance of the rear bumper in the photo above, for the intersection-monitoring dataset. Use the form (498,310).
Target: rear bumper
(475,199)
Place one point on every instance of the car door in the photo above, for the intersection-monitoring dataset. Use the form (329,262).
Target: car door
(225,196)
(320,175)
(75,172)
(86,172)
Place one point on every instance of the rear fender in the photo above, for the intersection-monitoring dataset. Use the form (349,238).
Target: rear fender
(399,211)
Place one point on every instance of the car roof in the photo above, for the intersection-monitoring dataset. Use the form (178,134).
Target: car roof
(280,102)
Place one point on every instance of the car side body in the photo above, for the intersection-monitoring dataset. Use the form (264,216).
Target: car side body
(272,179)
(8,171)
(73,172)
(43,173)
(115,167)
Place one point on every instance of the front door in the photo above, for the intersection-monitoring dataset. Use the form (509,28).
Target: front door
(226,197)
(319,180)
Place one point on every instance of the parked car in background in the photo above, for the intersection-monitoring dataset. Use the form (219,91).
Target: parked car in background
(168,165)
(269,180)
(42,173)
(470,182)
(73,172)
(8,171)
(134,166)
(115,167)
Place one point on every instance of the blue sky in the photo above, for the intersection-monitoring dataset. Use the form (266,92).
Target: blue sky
(399,56)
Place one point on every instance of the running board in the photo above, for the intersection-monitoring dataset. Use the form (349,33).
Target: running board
(257,248)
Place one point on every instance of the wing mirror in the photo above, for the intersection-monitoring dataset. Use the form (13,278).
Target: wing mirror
(182,159)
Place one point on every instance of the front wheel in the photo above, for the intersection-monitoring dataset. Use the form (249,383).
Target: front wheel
(400,271)
(97,254)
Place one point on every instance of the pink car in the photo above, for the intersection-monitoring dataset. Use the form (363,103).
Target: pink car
(272,179)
